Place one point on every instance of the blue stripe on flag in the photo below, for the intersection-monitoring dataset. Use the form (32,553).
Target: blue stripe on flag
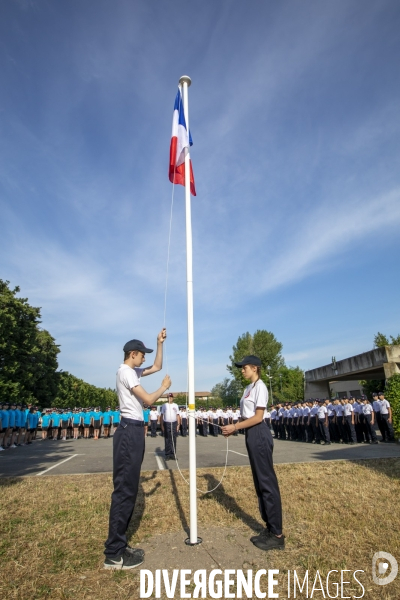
(181,115)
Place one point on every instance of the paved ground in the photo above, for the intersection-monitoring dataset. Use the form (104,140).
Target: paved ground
(89,456)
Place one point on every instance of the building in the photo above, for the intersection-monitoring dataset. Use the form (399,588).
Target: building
(341,377)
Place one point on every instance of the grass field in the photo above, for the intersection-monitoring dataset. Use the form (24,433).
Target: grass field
(336,516)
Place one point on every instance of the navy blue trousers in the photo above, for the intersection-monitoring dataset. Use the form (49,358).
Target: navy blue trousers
(260,445)
(170,437)
(128,452)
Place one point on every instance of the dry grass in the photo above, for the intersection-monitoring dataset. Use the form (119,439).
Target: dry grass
(52,529)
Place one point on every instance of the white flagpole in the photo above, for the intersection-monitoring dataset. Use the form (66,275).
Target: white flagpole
(185,82)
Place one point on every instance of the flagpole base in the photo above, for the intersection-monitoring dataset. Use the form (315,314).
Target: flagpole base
(188,542)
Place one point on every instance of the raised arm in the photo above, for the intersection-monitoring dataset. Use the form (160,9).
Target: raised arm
(157,365)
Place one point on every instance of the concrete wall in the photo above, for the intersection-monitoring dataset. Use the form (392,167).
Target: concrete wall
(380,363)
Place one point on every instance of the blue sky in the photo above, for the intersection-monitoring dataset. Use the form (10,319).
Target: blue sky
(294,112)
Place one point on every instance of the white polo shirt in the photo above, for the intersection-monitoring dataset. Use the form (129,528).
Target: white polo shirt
(254,396)
(384,407)
(153,415)
(169,412)
(127,380)
(367,409)
(347,410)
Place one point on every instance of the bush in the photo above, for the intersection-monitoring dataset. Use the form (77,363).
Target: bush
(392,394)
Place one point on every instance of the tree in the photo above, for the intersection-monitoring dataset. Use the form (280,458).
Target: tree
(382,340)
(262,344)
(265,345)
(292,379)
(28,354)
(392,394)
(372,385)
(72,392)
(228,391)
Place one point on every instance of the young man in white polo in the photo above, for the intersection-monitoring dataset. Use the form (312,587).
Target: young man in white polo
(128,449)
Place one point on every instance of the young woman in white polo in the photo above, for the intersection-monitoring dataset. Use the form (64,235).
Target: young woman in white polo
(259,446)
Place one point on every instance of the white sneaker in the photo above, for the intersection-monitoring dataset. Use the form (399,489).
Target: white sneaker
(13,446)
(1,449)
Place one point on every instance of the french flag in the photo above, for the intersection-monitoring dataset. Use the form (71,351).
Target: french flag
(180,143)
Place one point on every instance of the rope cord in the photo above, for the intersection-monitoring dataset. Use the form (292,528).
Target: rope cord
(204,492)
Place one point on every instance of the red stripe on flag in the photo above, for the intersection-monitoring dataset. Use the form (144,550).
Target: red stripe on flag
(177,174)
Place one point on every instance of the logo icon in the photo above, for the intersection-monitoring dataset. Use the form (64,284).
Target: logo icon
(385,560)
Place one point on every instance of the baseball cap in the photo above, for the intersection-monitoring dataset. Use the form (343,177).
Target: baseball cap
(136,345)
(249,360)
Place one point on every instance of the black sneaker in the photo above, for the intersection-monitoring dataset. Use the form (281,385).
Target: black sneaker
(264,533)
(269,541)
(125,561)
(134,550)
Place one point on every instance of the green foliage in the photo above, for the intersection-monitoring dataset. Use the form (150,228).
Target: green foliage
(229,391)
(287,383)
(262,344)
(72,392)
(372,385)
(382,340)
(392,394)
(292,384)
(28,354)
(28,361)
(180,399)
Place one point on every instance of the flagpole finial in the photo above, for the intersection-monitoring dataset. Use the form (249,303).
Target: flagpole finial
(185,79)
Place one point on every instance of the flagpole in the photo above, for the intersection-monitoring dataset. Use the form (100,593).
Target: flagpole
(185,82)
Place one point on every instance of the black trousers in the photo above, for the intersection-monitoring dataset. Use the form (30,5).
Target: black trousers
(184,427)
(378,423)
(323,430)
(369,427)
(260,445)
(315,429)
(128,452)
(387,427)
(153,427)
(342,428)
(215,428)
(351,432)
(170,436)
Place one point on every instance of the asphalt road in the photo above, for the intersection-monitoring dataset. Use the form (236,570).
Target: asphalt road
(90,456)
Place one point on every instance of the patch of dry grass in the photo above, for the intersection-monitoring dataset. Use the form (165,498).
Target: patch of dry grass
(52,529)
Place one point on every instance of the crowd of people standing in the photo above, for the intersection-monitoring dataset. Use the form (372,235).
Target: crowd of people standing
(19,424)
(326,421)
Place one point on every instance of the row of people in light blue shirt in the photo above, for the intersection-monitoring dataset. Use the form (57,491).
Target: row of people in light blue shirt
(19,423)
(78,422)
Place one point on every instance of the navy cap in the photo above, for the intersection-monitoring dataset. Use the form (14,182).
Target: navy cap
(249,360)
(136,345)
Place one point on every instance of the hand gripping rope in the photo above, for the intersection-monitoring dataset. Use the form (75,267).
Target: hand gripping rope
(166,359)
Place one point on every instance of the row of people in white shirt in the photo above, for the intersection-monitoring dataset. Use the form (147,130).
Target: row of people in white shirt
(208,421)
(346,420)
